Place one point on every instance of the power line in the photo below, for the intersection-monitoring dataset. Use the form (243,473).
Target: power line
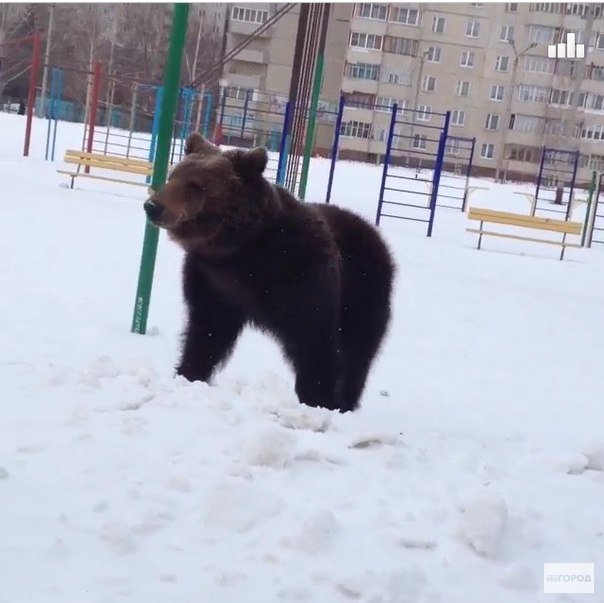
(231,54)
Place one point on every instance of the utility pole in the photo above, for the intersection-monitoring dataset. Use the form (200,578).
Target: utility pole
(46,60)
(199,29)
(570,123)
(505,124)
(418,83)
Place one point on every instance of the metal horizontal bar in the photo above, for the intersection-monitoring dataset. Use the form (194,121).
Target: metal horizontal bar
(405,190)
(407,204)
(408,178)
(405,218)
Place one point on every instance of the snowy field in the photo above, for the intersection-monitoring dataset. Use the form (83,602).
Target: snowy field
(477,455)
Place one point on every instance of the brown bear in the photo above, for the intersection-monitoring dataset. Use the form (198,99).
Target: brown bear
(316,277)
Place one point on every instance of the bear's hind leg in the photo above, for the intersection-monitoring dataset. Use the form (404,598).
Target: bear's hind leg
(315,362)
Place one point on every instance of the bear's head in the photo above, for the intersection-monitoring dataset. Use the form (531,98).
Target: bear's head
(214,201)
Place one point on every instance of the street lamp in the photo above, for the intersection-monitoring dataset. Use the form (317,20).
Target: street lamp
(501,173)
(418,84)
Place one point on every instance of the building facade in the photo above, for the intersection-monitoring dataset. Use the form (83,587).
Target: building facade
(486,63)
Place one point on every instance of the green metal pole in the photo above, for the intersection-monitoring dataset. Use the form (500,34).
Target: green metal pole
(310,132)
(592,190)
(160,166)
(314,103)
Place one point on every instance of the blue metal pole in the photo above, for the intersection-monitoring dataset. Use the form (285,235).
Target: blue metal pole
(283,147)
(49,113)
(440,158)
(246,104)
(59,94)
(468,173)
(386,163)
(335,148)
(543,154)
(207,114)
(572,184)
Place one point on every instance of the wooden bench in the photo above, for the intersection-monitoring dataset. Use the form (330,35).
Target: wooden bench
(106,162)
(523,221)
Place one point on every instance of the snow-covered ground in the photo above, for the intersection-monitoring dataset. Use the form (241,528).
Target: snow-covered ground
(478,453)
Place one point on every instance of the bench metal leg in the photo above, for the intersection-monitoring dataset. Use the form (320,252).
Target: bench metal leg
(480,235)
(72,179)
(563,247)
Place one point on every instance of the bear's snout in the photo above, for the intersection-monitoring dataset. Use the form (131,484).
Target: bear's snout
(153,210)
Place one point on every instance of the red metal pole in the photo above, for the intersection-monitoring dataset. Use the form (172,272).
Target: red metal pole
(31,95)
(94,104)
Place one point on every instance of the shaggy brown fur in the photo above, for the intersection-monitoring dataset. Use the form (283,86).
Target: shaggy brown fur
(318,278)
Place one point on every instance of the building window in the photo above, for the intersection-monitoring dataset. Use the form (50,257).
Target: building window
(526,123)
(365,40)
(439,24)
(458,118)
(594,101)
(487,151)
(593,132)
(536,64)
(497,92)
(476,4)
(525,154)
(396,45)
(398,78)
(406,16)
(361,100)
(532,94)
(355,129)
(511,7)
(473,29)
(561,97)
(553,127)
(595,72)
(429,84)
(467,58)
(453,146)
(463,88)
(541,34)
(502,63)
(249,15)
(433,54)
(424,113)
(371,11)
(507,33)
(419,141)
(492,122)
(238,92)
(362,71)
(385,103)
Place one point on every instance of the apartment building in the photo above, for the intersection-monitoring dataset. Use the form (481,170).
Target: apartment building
(258,78)
(486,63)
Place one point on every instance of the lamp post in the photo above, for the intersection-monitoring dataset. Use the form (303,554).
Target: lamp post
(501,172)
(418,84)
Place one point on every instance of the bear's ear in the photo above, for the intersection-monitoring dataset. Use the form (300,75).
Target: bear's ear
(196,143)
(248,162)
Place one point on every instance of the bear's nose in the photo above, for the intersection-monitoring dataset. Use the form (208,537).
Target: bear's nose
(153,210)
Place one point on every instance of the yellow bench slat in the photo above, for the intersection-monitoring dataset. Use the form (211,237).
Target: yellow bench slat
(109,158)
(518,237)
(106,165)
(82,175)
(524,221)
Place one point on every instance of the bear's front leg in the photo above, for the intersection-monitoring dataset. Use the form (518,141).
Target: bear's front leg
(212,329)
(208,341)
